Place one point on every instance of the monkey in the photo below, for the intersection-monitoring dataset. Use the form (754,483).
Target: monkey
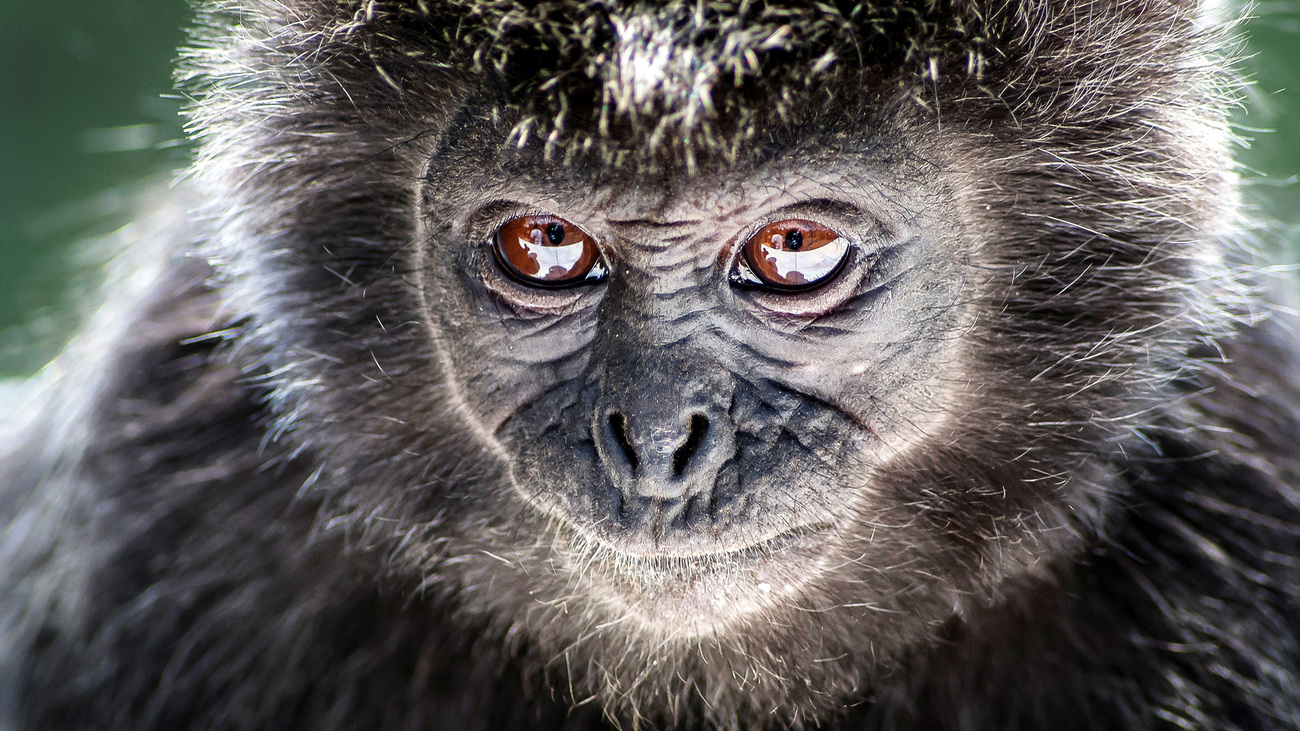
(894,364)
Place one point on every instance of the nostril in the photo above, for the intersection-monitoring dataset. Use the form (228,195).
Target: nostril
(699,426)
(618,425)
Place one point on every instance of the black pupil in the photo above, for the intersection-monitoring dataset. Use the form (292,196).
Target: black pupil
(555,233)
(793,240)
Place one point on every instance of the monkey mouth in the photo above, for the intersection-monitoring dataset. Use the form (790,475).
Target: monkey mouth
(689,591)
(708,550)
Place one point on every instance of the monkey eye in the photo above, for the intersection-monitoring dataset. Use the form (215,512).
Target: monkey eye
(791,255)
(546,251)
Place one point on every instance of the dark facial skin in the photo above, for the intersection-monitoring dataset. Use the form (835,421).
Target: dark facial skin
(703,445)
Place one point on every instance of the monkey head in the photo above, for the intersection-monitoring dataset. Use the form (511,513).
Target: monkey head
(713,350)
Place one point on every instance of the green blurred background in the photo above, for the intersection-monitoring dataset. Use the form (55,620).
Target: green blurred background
(87,115)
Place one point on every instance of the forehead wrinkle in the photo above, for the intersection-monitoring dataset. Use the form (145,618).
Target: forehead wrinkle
(682,246)
(652,222)
(773,186)
(709,219)
(713,204)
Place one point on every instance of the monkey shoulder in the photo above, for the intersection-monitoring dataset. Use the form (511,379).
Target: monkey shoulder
(164,569)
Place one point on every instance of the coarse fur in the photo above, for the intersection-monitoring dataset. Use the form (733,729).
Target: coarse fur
(317,464)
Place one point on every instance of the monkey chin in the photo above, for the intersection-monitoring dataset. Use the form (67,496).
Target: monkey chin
(689,594)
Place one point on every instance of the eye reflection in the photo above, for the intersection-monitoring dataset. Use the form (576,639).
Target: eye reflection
(546,250)
(795,254)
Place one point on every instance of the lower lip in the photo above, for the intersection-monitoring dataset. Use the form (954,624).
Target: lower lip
(691,595)
(651,553)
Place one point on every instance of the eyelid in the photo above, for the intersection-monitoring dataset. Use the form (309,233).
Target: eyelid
(484,223)
(823,208)
(836,215)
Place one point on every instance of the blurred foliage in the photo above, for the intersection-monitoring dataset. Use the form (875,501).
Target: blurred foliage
(87,116)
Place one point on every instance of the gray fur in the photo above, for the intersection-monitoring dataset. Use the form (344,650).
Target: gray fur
(314,465)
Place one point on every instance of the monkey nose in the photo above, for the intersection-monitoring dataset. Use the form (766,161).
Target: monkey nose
(661,458)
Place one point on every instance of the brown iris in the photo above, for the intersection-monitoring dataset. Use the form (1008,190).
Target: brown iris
(545,250)
(795,254)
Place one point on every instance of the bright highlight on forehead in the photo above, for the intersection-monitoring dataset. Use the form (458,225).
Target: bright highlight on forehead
(651,64)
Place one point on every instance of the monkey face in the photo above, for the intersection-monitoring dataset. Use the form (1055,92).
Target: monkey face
(755,426)
(616,416)
(704,386)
